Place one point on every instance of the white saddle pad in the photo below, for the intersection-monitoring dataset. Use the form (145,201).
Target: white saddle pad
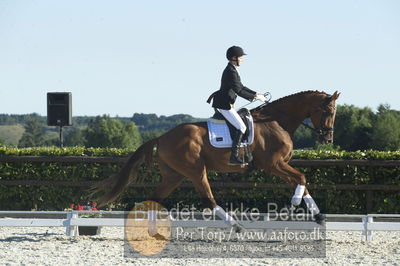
(218,133)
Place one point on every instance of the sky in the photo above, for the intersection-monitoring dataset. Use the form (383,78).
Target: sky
(166,57)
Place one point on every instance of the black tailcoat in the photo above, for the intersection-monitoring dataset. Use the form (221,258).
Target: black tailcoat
(231,86)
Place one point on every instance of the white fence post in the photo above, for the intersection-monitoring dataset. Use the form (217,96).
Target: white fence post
(71,230)
(367,235)
(370,234)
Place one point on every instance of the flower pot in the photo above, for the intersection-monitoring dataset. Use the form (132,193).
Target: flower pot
(89,230)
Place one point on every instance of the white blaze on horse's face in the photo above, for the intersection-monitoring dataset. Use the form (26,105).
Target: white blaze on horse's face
(324,118)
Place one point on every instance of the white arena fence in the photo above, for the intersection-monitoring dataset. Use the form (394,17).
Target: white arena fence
(366,224)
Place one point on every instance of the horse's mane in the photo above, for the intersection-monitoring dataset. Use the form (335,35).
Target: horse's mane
(259,111)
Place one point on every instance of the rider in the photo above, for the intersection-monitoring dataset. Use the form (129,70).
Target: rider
(225,97)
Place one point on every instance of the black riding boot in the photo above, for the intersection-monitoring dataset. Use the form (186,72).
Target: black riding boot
(235,160)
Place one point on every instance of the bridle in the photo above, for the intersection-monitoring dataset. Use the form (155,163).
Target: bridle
(323,130)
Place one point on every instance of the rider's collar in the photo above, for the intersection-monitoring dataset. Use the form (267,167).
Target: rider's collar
(236,67)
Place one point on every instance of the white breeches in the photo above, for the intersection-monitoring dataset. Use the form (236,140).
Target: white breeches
(233,117)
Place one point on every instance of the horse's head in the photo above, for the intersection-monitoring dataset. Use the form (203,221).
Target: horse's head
(323,119)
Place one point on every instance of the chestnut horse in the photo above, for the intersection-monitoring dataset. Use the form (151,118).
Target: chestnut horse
(185,151)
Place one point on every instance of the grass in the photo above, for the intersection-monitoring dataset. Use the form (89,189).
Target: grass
(11,134)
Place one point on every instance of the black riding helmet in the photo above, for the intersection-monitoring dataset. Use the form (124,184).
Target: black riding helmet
(234,51)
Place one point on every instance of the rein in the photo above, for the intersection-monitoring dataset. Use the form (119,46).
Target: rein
(320,131)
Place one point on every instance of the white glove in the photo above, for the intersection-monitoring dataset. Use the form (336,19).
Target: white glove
(260,97)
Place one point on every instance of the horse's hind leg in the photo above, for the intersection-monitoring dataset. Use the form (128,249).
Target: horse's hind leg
(203,188)
(200,183)
(170,180)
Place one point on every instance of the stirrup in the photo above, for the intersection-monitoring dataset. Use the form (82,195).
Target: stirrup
(231,162)
(237,161)
(242,165)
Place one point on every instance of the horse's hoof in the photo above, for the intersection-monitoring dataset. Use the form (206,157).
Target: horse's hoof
(320,219)
(238,228)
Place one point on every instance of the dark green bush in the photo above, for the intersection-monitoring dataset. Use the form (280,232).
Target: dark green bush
(52,197)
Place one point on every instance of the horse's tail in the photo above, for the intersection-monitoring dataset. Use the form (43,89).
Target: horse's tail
(113,186)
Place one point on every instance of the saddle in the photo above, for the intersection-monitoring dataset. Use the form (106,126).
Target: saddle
(221,131)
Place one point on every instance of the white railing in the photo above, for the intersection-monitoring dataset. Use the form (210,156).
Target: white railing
(366,224)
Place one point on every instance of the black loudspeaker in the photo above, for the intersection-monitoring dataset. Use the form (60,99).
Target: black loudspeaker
(59,109)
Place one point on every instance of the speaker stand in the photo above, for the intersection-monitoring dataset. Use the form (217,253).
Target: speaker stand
(61,137)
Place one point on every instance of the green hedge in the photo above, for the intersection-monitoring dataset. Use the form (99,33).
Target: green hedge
(330,201)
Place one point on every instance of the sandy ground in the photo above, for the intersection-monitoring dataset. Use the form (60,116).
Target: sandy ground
(50,246)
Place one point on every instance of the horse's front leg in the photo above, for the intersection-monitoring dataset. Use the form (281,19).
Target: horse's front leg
(286,172)
(312,206)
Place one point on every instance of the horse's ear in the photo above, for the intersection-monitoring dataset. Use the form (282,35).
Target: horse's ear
(335,95)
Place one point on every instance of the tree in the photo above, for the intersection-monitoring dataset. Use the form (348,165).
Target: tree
(303,138)
(352,127)
(149,135)
(52,142)
(386,130)
(150,122)
(75,138)
(106,132)
(33,135)
(144,120)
